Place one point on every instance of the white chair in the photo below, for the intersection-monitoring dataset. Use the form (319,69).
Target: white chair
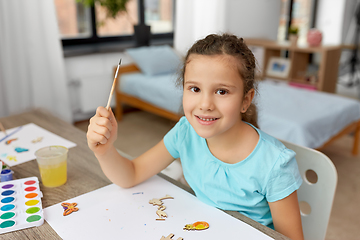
(317,192)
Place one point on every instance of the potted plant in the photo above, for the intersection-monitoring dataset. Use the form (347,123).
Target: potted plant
(293,35)
(116,7)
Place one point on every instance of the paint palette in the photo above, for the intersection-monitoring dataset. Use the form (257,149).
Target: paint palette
(20,204)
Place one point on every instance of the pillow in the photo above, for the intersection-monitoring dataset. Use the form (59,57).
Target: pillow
(155,60)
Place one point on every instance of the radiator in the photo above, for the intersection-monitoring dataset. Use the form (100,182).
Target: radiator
(87,93)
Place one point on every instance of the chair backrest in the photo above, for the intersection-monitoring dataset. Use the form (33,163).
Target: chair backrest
(317,192)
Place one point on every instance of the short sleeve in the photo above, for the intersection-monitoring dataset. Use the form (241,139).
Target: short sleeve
(173,137)
(284,178)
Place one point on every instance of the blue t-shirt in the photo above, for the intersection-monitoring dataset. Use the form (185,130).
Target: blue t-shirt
(268,174)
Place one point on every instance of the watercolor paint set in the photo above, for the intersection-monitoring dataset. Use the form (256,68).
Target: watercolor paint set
(20,204)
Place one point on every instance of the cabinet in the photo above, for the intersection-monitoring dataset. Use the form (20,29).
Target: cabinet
(299,56)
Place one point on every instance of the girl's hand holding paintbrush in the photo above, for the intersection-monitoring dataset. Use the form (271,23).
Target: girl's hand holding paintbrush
(102,131)
(101,135)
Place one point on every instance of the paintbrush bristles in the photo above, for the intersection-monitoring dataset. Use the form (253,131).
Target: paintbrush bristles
(117,69)
(113,86)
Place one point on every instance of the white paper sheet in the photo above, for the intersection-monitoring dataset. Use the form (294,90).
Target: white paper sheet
(25,135)
(115,213)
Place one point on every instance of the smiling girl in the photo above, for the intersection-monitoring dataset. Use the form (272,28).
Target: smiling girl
(228,162)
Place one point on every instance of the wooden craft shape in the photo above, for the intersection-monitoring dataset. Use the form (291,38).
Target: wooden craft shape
(197,226)
(160,212)
(158,201)
(170,237)
(69,208)
(37,140)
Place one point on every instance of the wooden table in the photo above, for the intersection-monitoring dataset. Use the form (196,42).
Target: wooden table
(84,174)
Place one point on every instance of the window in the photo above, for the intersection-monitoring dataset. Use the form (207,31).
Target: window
(300,13)
(284,19)
(159,15)
(81,25)
(122,25)
(73,19)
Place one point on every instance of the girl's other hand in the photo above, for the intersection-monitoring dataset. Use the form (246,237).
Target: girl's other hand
(102,131)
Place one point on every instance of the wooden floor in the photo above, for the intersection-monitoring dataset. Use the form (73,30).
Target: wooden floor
(139,131)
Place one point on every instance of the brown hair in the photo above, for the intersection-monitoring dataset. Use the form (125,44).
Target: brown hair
(227,44)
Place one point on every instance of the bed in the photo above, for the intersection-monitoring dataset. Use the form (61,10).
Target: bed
(307,118)
(156,94)
(304,117)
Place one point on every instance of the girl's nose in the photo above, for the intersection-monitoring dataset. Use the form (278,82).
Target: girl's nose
(206,102)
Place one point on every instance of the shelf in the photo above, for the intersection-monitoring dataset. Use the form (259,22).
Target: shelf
(303,81)
(299,61)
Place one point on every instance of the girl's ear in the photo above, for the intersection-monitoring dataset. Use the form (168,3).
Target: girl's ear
(247,100)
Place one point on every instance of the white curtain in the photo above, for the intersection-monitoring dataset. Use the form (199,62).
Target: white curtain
(32,69)
(195,19)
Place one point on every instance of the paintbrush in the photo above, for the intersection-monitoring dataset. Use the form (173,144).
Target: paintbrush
(113,86)
(2,129)
(15,131)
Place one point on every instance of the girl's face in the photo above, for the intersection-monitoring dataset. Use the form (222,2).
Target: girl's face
(213,95)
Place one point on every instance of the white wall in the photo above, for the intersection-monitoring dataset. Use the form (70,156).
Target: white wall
(335,18)
(249,19)
(329,20)
(253,19)
(349,23)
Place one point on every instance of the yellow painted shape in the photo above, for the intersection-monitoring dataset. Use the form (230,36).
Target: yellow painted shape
(11,158)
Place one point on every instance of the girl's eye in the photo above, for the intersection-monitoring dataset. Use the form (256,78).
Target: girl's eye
(222,91)
(194,89)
